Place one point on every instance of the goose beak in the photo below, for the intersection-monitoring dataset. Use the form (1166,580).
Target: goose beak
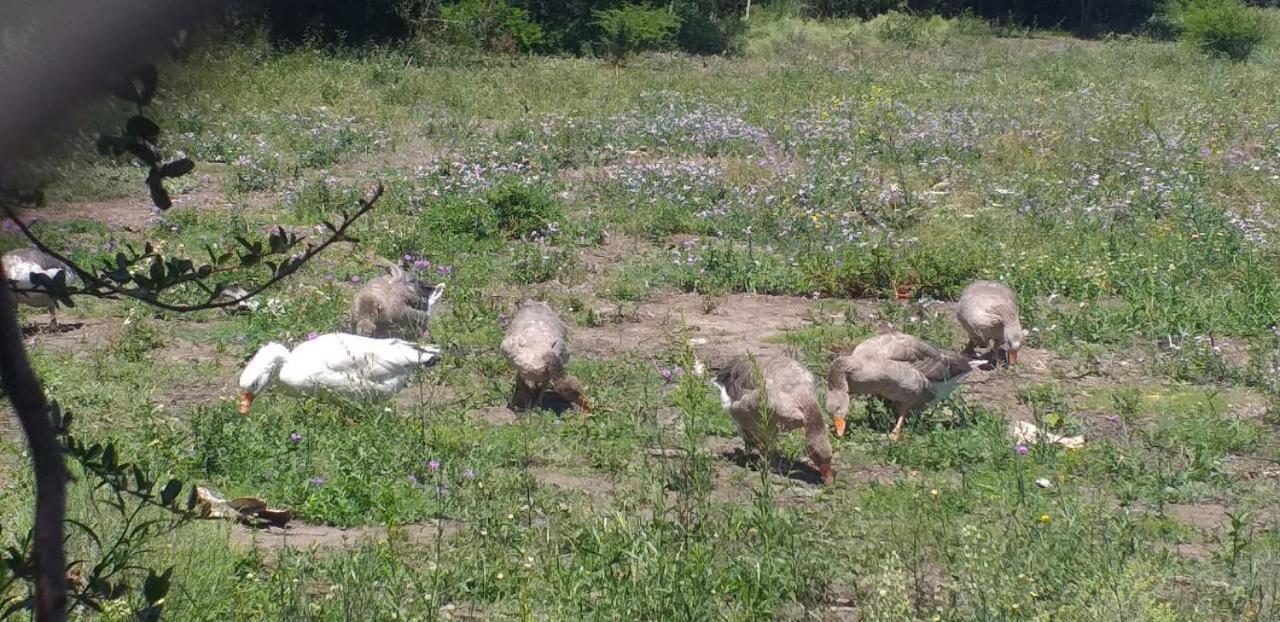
(246,400)
(828,475)
(583,403)
(839,421)
(1013,357)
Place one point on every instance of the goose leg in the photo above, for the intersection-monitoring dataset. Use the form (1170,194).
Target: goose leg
(750,431)
(53,318)
(897,427)
(523,396)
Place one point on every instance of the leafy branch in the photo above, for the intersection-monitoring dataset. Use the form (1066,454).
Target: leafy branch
(130,491)
(144,275)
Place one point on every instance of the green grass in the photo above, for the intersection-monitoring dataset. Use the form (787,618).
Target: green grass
(1123,200)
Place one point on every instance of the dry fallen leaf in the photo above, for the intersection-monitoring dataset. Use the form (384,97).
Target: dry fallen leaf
(247,510)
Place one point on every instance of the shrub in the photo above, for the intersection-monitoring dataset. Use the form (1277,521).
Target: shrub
(864,9)
(901,27)
(492,25)
(703,34)
(1222,27)
(633,28)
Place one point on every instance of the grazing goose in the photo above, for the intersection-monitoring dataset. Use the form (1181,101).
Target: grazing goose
(988,313)
(21,264)
(791,403)
(395,305)
(350,366)
(903,370)
(537,346)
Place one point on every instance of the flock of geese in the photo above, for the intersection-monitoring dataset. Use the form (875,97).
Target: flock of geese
(765,394)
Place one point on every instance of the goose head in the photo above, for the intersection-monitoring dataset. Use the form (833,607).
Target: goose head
(817,445)
(1013,336)
(260,372)
(838,395)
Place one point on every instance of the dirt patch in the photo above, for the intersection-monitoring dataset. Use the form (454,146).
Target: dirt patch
(860,475)
(495,415)
(189,396)
(303,536)
(1194,551)
(80,336)
(1251,467)
(183,351)
(125,214)
(597,260)
(718,329)
(1075,379)
(1203,516)
(1245,404)
(591,486)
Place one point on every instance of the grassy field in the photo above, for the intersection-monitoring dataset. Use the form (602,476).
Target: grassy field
(680,207)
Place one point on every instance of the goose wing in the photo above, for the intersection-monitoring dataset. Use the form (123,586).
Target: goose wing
(935,364)
(986,304)
(536,339)
(352,364)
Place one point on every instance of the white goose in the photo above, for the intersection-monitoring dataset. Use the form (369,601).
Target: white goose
(351,366)
(21,264)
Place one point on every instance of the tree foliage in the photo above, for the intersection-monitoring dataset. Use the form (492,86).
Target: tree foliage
(633,28)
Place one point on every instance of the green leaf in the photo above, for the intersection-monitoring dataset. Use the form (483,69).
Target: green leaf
(143,152)
(170,492)
(159,195)
(156,587)
(177,168)
(142,127)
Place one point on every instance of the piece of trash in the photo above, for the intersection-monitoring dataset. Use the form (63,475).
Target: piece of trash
(248,510)
(1044,482)
(1026,433)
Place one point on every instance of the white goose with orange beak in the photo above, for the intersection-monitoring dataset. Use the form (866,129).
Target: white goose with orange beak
(354,367)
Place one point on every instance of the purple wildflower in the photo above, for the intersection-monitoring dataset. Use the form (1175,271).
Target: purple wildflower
(468,474)
(408,258)
(317,481)
(666,374)
(422,264)
(444,270)
(295,438)
(355,279)
(434,465)
(312,335)
(1022,450)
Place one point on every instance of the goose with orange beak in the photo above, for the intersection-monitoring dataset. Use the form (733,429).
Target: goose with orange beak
(353,367)
(790,402)
(988,313)
(537,346)
(905,371)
